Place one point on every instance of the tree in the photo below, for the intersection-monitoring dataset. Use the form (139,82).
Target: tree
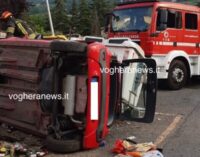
(60,16)
(17,7)
(74,22)
(84,18)
(99,10)
(95,30)
(38,22)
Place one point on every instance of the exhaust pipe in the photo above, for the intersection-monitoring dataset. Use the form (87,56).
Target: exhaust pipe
(69,87)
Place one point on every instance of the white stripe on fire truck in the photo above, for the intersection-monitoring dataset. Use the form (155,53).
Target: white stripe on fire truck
(178,44)
(187,44)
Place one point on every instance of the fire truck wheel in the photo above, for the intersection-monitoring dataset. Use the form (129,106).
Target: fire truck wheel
(63,146)
(178,75)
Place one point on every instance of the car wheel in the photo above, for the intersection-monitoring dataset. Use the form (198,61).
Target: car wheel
(63,145)
(178,75)
(69,46)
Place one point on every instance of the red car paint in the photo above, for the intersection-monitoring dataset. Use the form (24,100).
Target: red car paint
(94,52)
(23,60)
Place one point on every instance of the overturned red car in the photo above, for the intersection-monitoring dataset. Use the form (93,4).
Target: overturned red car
(58,90)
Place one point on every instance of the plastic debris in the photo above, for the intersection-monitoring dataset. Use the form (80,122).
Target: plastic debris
(41,154)
(3,149)
(132,138)
(6,150)
(154,153)
(17,149)
(102,144)
(125,148)
(144,147)
(20,148)
(119,147)
(122,155)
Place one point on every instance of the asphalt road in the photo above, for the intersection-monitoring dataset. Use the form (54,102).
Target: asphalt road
(185,141)
(176,128)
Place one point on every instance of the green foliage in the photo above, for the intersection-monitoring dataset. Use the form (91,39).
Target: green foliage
(95,26)
(99,9)
(91,16)
(74,21)
(102,7)
(38,22)
(84,18)
(60,16)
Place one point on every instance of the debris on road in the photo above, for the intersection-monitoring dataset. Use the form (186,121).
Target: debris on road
(126,148)
(153,153)
(122,155)
(17,149)
(103,143)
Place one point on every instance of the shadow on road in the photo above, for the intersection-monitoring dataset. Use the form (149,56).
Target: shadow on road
(193,83)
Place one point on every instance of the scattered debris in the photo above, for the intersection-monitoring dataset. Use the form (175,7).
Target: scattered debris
(17,149)
(131,139)
(153,153)
(159,119)
(122,155)
(125,148)
(103,143)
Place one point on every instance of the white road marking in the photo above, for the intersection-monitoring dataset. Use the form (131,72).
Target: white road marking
(165,114)
(171,128)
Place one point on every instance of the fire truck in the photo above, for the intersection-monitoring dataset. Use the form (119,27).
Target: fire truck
(168,32)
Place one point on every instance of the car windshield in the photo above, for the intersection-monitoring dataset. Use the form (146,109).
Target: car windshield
(132,19)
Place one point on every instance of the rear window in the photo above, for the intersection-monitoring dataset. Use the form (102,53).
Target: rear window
(191,21)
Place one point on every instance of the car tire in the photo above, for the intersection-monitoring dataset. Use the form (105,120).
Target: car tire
(63,146)
(178,75)
(69,46)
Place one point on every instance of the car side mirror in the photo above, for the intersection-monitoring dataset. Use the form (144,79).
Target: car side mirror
(139,88)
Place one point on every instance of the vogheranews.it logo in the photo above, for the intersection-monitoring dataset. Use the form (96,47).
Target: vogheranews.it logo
(26,96)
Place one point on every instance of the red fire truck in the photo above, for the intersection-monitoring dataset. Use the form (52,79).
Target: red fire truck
(168,32)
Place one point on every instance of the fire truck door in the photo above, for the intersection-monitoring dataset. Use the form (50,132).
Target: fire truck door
(191,35)
(170,27)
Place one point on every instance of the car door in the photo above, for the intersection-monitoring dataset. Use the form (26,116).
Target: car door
(138,90)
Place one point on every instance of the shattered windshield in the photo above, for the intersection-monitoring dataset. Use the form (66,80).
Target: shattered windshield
(132,19)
